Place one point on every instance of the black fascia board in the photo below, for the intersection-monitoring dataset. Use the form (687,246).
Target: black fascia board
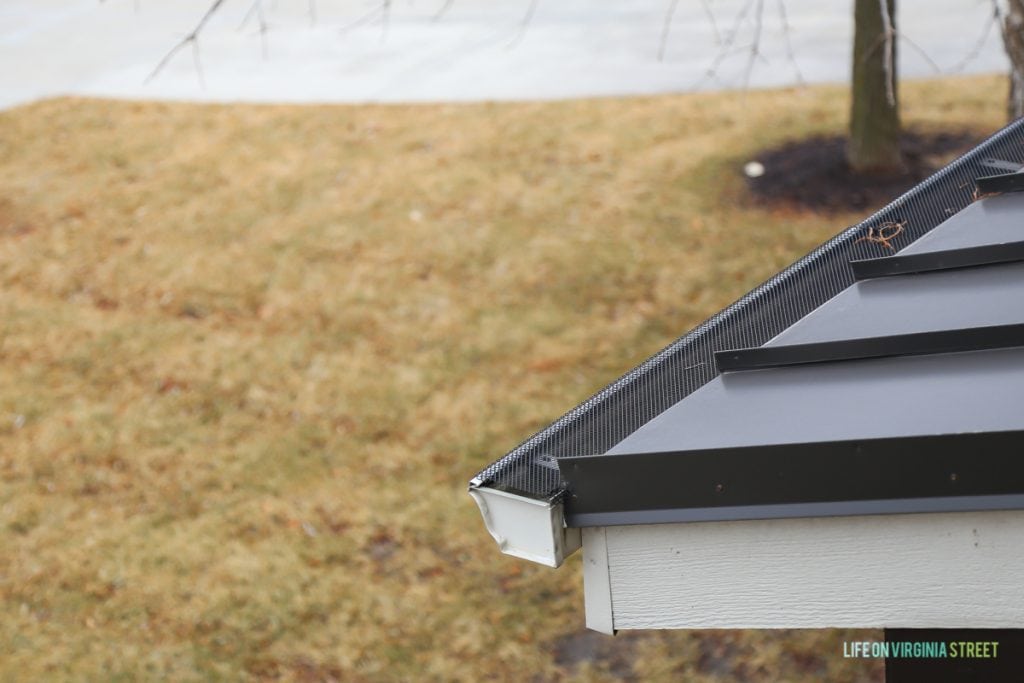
(948,259)
(1004,182)
(931,473)
(913,344)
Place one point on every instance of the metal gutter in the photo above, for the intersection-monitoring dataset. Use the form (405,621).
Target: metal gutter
(524,527)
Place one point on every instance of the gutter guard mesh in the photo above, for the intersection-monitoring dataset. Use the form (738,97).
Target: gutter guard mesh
(625,405)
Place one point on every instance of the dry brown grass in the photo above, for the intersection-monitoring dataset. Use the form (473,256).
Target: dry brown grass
(252,355)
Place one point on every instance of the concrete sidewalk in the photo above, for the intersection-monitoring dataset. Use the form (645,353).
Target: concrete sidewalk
(477,51)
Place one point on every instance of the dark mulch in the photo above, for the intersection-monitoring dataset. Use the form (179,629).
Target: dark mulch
(813,173)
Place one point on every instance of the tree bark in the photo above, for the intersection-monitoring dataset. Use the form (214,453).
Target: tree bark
(1013,40)
(874,144)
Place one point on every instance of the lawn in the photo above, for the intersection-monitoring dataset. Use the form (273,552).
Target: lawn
(252,356)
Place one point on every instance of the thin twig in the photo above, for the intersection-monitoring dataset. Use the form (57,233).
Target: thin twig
(727,43)
(995,20)
(883,40)
(385,9)
(786,31)
(883,234)
(706,6)
(192,38)
(920,50)
(365,19)
(263,30)
(199,64)
(754,46)
(256,10)
(248,15)
(666,25)
(444,9)
(524,24)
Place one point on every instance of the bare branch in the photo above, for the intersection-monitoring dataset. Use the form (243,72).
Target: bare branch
(756,44)
(199,64)
(706,6)
(385,10)
(919,50)
(444,9)
(886,40)
(786,30)
(365,19)
(666,25)
(263,28)
(888,37)
(525,23)
(193,39)
(995,20)
(256,10)
(248,15)
(727,43)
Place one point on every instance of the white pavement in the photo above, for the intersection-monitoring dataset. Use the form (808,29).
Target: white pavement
(476,51)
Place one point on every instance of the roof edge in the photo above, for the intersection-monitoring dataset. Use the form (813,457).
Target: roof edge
(603,420)
(885,475)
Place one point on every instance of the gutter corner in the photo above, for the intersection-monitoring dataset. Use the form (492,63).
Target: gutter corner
(524,527)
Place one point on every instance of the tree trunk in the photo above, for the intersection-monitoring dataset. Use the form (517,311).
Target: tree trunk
(874,145)
(1013,40)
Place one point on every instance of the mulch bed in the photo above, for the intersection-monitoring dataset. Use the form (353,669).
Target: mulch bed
(813,173)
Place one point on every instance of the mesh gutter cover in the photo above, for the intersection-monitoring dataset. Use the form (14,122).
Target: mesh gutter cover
(615,412)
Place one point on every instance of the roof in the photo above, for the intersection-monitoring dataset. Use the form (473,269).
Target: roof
(902,393)
(796,399)
(918,393)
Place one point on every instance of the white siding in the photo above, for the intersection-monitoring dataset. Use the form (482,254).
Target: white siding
(917,570)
